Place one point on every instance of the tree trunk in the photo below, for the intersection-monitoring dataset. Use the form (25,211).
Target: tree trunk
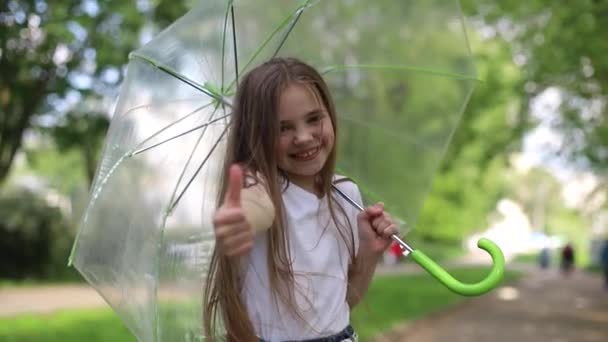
(17,111)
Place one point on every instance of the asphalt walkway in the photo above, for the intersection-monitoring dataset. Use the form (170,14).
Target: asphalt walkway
(543,306)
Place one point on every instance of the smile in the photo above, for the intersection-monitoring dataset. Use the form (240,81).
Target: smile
(306,155)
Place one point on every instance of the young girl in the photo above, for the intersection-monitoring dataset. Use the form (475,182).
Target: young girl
(292,257)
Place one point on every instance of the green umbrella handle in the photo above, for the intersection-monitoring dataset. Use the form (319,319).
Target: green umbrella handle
(489,283)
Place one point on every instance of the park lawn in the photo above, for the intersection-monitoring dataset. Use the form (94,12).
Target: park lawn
(98,325)
(594,269)
(529,258)
(71,276)
(390,300)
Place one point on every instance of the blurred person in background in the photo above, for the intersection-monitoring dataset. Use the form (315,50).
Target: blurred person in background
(544,258)
(567,262)
(604,262)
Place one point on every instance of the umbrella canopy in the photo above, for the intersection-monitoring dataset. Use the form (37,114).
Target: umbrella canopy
(400,73)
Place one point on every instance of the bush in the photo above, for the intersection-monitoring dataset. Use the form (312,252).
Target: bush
(35,238)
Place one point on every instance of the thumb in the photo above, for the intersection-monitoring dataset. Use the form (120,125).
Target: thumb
(235,185)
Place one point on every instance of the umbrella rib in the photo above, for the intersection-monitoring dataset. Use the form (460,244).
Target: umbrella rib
(211,121)
(200,167)
(402,68)
(236,61)
(147,105)
(138,146)
(164,68)
(224,42)
(291,26)
(267,41)
(183,172)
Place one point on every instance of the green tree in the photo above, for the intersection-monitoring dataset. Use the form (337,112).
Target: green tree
(82,131)
(539,193)
(51,50)
(561,45)
(55,53)
(471,177)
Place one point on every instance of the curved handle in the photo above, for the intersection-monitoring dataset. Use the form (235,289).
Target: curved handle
(489,283)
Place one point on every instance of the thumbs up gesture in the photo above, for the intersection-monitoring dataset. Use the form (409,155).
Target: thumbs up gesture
(233,233)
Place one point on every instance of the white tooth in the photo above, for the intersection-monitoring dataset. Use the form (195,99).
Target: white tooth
(307,153)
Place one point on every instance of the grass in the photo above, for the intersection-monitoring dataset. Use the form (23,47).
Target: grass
(528,258)
(69,276)
(390,300)
(100,325)
(593,269)
(439,252)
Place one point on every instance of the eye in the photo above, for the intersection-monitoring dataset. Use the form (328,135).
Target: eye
(285,128)
(315,118)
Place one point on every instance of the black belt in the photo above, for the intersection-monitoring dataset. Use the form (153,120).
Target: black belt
(347,333)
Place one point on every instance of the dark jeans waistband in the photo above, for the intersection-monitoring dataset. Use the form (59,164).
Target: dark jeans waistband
(347,334)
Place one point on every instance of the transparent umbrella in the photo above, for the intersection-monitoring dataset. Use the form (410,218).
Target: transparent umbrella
(400,72)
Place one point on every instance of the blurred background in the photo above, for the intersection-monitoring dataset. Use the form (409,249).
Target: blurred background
(527,166)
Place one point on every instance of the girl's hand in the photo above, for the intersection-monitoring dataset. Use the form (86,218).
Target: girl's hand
(233,233)
(375,229)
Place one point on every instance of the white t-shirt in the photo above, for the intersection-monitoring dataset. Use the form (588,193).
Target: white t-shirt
(320,262)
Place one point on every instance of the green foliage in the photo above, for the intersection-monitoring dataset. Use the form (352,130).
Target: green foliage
(472,174)
(34,237)
(571,227)
(43,46)
(460,201)
(561,46)
(48,49)
(567,223)
(165,12)
(530,258)
(441,250)
(63,171)
(85,133)
(539,194)
(491,125)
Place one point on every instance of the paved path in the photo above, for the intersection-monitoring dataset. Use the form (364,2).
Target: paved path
(45,299)
(543,306)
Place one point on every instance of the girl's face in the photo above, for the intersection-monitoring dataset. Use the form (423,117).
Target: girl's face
(306,136)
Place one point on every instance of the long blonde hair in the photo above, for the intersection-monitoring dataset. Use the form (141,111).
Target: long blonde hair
(252,143)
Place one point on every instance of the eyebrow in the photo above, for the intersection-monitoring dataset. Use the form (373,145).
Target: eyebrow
(313,112)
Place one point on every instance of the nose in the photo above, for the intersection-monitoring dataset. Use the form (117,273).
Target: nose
(303,136)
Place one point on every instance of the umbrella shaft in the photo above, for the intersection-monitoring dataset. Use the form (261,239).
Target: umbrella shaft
(395,238)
